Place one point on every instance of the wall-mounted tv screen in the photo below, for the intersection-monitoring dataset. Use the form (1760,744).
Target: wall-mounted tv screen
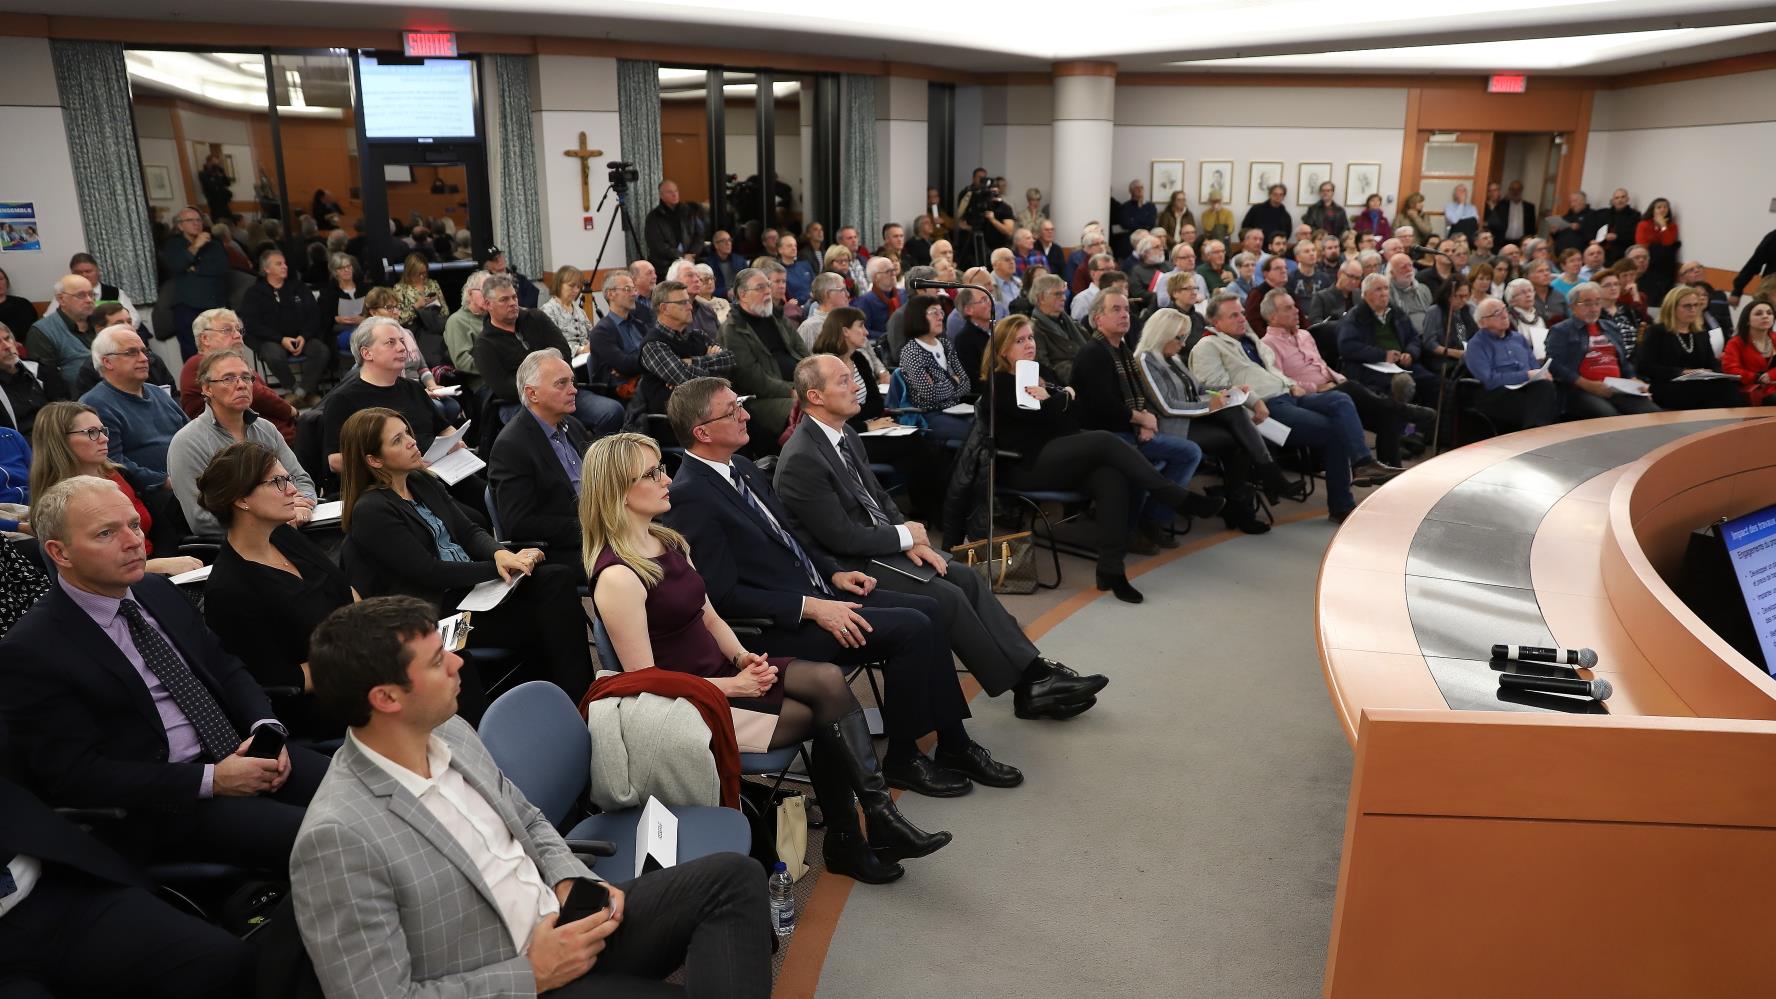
(417,100)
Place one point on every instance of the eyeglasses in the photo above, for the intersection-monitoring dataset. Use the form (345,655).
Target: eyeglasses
(238,378)
(92,433)
(219,328)
(281,483)
(132,352)
(731,413)
(1689,305)
(82,295)
(676,301)
(656,475)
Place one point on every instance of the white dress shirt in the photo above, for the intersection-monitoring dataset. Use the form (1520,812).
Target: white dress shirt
(25,872)
(517,886)
(833,437)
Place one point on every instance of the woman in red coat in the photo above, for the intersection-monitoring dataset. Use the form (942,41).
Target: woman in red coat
(1749,352)
(1657,231)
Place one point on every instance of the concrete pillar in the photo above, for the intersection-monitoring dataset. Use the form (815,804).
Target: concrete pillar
(1084,114)
(571,94)
(902,142)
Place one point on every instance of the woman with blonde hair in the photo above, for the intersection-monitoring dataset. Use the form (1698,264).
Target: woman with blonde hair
(564,309)
(69,439)
(405,535)
(838,261)
(655,608)
(1677,345)
(416,290)
(1412,214)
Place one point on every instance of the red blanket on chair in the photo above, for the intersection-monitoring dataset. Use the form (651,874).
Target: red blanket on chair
(709,703)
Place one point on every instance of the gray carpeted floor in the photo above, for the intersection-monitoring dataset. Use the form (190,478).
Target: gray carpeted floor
(1181,839)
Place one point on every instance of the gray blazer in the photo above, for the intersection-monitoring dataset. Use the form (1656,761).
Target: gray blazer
(387,901)
(822,498)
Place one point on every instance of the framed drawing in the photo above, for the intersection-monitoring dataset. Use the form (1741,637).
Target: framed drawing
(1308,178)
(159,182)
(1214,180)
(1165,177)
(1360,181)
(1260,176)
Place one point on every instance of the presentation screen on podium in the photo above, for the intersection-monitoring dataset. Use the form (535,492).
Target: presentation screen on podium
(418,100)
(1751,546)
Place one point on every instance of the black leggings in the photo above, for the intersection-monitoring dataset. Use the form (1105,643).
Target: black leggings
(544,622)
(1112,472)
(813,694)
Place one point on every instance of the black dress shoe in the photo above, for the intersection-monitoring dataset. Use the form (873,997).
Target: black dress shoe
(1054,695)
(920,774)
(1201,505)
(848,853)
(1158,535)
(979,766)
(1072,710)
(1119,585)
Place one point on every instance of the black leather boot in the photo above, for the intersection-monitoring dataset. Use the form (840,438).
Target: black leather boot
(845,849)
(1277,486)
(890,834)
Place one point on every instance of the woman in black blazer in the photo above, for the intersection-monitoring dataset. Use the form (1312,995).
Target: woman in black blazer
(404,534)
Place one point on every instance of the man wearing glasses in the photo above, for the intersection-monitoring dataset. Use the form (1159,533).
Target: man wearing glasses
(62,337)
(200,273)
(143,418)
(1588,360)
(220,329)
(227,380)
(675,353)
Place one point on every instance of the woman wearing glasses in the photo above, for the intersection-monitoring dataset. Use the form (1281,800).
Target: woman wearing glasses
(932,369)
(405,535)
(70,439)
(226,379)
(1677,347)
(270,585)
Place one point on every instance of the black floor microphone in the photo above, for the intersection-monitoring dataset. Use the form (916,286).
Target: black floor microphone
(1585,658)
(1596,689)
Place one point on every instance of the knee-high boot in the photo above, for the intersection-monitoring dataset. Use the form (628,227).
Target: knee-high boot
(845,850)
(890,834)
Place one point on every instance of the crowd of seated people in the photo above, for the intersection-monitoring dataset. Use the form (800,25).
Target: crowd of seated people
(1164,342)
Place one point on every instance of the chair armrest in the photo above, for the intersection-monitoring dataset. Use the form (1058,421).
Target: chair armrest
(592,847)
(748,625)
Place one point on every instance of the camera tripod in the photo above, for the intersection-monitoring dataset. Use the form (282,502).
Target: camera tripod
(622,193)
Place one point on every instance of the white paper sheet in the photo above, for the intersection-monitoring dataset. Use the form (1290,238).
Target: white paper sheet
(1274,432)
(442,443)
(1602,231)
(1386,368)
(443,391)
(1028,374)
(1235,396)
(457,466)
(196,575)
(1705,376)
(328,513)
(961,409)
(898,430)
(656,836)
(580,360)
(488,595)
(1532,377)
(1627,386)
(350,307)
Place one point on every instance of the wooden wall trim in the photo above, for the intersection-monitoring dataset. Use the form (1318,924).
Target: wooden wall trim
(1410,156)
(1729,66)
(1085,67)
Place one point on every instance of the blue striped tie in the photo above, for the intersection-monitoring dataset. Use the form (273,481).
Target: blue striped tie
(788,540)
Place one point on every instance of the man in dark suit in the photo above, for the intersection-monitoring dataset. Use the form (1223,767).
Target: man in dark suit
(535,464)
(754,567)
(835,503)
(119,696)
(76,918)
(1512,220)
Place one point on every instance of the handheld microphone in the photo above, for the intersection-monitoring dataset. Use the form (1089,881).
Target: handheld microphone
(1596,689)
(1584,658)
(1423,251)
(921,284)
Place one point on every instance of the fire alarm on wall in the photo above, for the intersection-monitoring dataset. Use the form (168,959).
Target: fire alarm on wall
(588,221)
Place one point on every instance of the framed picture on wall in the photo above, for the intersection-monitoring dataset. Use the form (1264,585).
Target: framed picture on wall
(159,182)
(1360,181)
(1308,178)
(1214,180)
(1259,177)
(1165,177)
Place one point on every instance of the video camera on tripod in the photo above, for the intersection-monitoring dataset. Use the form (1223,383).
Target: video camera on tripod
(621,175)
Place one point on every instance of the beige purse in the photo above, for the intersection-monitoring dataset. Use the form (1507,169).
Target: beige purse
(792,834)
(1012,558)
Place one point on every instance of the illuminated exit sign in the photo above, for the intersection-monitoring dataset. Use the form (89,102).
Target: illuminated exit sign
(429,44)
(1507,83)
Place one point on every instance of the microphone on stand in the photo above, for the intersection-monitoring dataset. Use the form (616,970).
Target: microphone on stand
(921,284)
(1424,251)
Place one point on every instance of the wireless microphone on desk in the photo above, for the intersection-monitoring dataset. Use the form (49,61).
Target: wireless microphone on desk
(1596,689)
(1584,658)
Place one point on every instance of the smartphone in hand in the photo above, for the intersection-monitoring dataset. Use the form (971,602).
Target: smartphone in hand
(585,898)
(267,743)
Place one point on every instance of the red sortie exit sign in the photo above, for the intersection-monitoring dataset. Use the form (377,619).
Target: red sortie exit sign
(431,44)
(1507,83)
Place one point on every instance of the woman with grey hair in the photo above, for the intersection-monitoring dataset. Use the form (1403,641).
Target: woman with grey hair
(1245,273)
(342,300)
(706,293)
(1186,409)
(1520,295)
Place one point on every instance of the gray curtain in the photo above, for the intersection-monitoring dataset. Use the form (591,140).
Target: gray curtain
(857,156)
(94,89)
(638,122)
(523,236)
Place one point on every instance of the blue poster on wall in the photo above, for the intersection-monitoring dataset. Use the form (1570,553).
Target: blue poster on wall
(18,227)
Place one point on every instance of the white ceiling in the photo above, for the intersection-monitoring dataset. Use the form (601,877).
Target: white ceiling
(1139,35)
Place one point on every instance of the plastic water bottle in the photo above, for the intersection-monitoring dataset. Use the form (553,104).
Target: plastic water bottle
(783,909)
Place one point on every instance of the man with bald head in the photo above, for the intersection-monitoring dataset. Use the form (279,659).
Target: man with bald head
(63,337)
(1515,392)
(673,232)
(535,464)
(1620,218)
(142,418)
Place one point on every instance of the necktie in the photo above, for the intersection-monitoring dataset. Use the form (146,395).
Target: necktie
(784,537)
(863,492)
(214,730)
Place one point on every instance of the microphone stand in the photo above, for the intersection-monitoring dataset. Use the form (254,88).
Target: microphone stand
(992,438)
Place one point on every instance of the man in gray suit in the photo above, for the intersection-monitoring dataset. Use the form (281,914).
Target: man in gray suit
(835,503)
(420,870)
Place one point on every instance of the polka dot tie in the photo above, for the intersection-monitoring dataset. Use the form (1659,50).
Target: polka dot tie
(214,730)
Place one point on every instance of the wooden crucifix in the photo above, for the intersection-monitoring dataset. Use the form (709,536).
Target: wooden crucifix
(585,156)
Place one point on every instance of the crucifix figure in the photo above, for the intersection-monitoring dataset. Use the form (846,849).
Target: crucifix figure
(585,157)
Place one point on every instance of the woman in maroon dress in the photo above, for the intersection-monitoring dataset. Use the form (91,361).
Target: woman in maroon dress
(653,605)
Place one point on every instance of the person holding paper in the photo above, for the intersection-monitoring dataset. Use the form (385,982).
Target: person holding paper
(1517,392)
(534,466)
(226,379)
(1379,343)
(1676,357)
(932,368)
(1326,422)
(404,534)
(422,871)
(1591,365)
